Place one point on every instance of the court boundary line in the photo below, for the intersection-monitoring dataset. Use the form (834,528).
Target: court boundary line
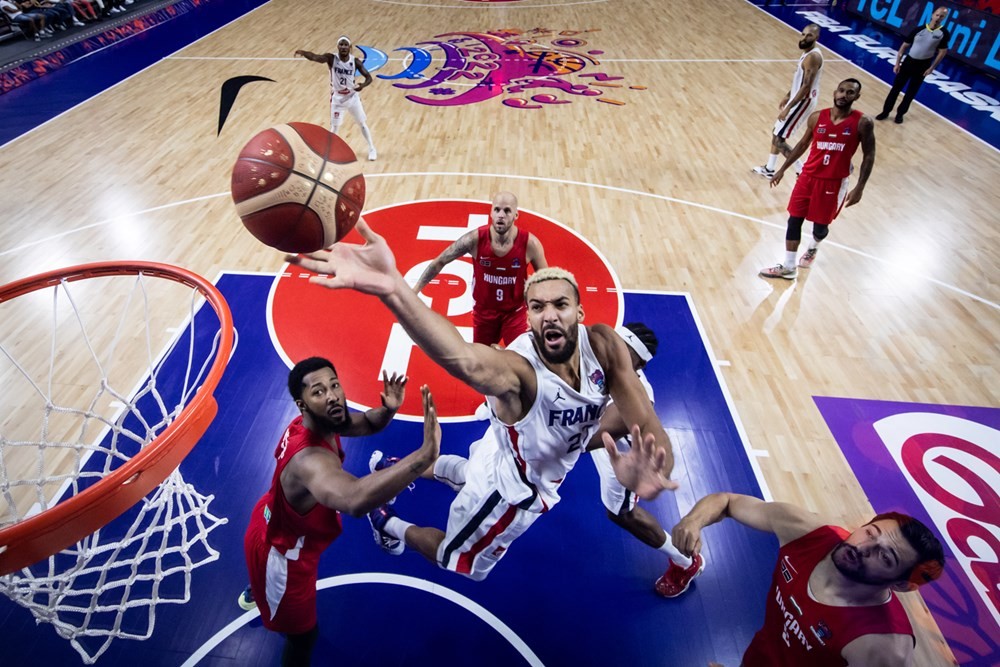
(751,452)
(476,609)
(561,181)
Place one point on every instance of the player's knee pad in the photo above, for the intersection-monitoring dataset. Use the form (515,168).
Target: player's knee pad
(794,230)
(820,232)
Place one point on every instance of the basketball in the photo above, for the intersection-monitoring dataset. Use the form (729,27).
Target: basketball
(298,187)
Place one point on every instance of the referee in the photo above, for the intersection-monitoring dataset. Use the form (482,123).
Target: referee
(926,46)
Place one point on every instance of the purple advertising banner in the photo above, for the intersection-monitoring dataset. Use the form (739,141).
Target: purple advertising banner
(940,464)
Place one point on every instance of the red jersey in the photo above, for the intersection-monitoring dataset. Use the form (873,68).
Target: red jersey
(311,532)
(798,630)
(498,282)
(833,146)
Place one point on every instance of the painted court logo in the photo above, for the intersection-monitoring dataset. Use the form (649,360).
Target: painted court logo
(526,69)
(362,337)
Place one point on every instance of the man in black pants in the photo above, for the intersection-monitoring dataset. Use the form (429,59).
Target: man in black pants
(927,45)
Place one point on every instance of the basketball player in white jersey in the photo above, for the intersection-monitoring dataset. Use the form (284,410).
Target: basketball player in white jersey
(344,90)
(546,393)
(798,102)
(620,503)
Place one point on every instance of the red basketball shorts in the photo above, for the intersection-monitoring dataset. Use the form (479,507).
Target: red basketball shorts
(490,326)
(818,200)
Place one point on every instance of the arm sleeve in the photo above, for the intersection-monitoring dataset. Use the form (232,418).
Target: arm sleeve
(945,39)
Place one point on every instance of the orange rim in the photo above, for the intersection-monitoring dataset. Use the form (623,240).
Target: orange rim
(55,529)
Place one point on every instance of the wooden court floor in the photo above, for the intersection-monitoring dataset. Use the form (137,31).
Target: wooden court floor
(902,304)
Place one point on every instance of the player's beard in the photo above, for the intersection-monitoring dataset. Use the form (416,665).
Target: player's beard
(849,563)
(803,44)
(328,424)
(565,353)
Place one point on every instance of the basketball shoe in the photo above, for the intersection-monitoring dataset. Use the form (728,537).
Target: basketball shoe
(379,461)
(677,579)
(246,601)
(779,271)
(378,518)
(372,155)
(764,171)
(807,258)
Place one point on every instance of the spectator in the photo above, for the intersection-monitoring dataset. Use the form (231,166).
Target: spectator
(32,24)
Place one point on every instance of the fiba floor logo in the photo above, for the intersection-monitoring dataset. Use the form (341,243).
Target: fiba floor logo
(361,336)
(528,69)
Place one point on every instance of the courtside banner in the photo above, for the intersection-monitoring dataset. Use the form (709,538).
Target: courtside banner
(940,464)
(975,35)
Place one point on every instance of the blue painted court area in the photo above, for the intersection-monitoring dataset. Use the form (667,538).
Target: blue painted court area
(965,96)
(575,590)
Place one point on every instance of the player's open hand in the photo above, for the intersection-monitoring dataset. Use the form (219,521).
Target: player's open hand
(641,469)
(393,390)
(432,429)
(777,177)
(853,197)
(368,268)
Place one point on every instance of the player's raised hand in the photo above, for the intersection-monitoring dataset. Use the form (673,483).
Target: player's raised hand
(368,268)
(432,429)
(393,390)
(640,469)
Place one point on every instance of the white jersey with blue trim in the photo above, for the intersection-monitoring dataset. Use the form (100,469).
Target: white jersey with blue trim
(541,448)
(342,77)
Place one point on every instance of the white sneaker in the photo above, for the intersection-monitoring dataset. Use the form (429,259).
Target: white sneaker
(372,155)
(78,24)
(779,271)
(764,171)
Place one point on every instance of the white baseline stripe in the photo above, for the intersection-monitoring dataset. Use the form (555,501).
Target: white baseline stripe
(562,181)
(476,609)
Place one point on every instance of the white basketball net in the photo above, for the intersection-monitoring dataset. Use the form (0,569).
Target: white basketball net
(74,421)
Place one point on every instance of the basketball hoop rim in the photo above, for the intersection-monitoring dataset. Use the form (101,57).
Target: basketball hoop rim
(69,521)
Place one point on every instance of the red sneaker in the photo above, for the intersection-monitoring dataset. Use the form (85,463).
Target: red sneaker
(677,579)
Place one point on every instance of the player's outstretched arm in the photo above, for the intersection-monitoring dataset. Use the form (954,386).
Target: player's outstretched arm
(321,473)
(371,269)
(315,57)
(787,521)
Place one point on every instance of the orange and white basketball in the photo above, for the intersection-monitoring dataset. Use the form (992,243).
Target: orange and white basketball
(298,187)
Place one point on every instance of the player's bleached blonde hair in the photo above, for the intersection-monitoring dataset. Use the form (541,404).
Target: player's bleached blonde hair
(552,273)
